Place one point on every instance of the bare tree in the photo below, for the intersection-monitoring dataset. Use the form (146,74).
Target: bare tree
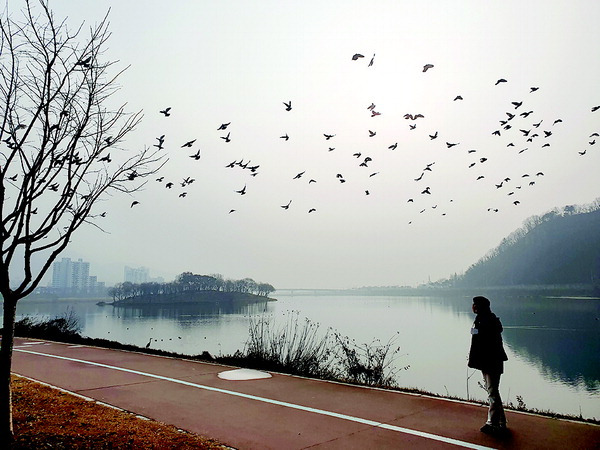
(61,152)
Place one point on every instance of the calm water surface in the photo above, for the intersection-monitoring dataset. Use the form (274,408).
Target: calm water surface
(553,345)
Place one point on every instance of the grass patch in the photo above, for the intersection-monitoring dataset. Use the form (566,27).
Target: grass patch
(44,417)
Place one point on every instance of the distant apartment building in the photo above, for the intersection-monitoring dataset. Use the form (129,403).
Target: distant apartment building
(136,275)
(73,278)
(139,275)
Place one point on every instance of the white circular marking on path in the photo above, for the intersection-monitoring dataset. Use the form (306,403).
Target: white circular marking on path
(243,374)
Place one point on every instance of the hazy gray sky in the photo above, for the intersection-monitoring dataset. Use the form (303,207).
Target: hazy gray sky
(238,61)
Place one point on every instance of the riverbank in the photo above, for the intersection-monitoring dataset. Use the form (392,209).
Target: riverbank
(578,290)
(239,361)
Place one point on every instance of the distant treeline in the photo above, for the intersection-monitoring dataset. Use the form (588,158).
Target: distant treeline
(561,247)
(188,282)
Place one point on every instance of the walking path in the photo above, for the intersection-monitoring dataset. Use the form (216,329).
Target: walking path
(281,412)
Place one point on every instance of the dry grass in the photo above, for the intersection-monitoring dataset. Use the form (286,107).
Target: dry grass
(44,417)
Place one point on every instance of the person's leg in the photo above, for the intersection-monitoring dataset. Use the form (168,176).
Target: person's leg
(496,415)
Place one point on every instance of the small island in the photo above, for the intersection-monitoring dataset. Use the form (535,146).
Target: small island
(189,288)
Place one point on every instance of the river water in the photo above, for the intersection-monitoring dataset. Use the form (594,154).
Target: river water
(553,344)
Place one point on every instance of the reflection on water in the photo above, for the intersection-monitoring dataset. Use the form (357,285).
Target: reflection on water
(553,344)
(184,313)
(559,336)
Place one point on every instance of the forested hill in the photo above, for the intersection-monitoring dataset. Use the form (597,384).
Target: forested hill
(560,247)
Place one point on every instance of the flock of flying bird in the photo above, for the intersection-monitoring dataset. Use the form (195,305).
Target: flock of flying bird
(520,132)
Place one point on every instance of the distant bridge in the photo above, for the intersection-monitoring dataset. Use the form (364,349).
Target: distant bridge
(309,291)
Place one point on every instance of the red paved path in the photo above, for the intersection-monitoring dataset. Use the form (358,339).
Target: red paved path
(282,412)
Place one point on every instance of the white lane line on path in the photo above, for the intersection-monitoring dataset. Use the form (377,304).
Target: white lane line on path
(273,402)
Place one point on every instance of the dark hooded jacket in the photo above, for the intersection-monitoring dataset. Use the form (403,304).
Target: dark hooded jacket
(487,352)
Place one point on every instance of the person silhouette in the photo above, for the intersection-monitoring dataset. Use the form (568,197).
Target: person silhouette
(487,354)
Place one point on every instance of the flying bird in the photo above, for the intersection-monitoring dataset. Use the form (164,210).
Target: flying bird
(285,136)
(533,89)
(166,111)
(393,146)
(299,175)
(288,105)
(595,108)
(458,97)
(372,60)
(501,80)
(517,104)
(106,158)
(223,126)
(433,136)
(286,206)
(242,191)
(426,67)
(372,133)
(84,62)
(311,210)
(449,145)
(356,56)
(226,138)
(135,202)
(188,143)
(196,155)
(426,190)
(328,136)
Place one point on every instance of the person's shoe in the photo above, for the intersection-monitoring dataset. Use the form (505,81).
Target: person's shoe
(487,429)
(496,430)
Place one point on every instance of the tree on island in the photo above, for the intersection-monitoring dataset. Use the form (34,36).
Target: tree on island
(189,282)
(61,152)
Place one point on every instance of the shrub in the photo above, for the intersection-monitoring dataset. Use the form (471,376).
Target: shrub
(60,327)
(299,348)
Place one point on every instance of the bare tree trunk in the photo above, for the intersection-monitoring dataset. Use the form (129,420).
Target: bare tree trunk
(8,336)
